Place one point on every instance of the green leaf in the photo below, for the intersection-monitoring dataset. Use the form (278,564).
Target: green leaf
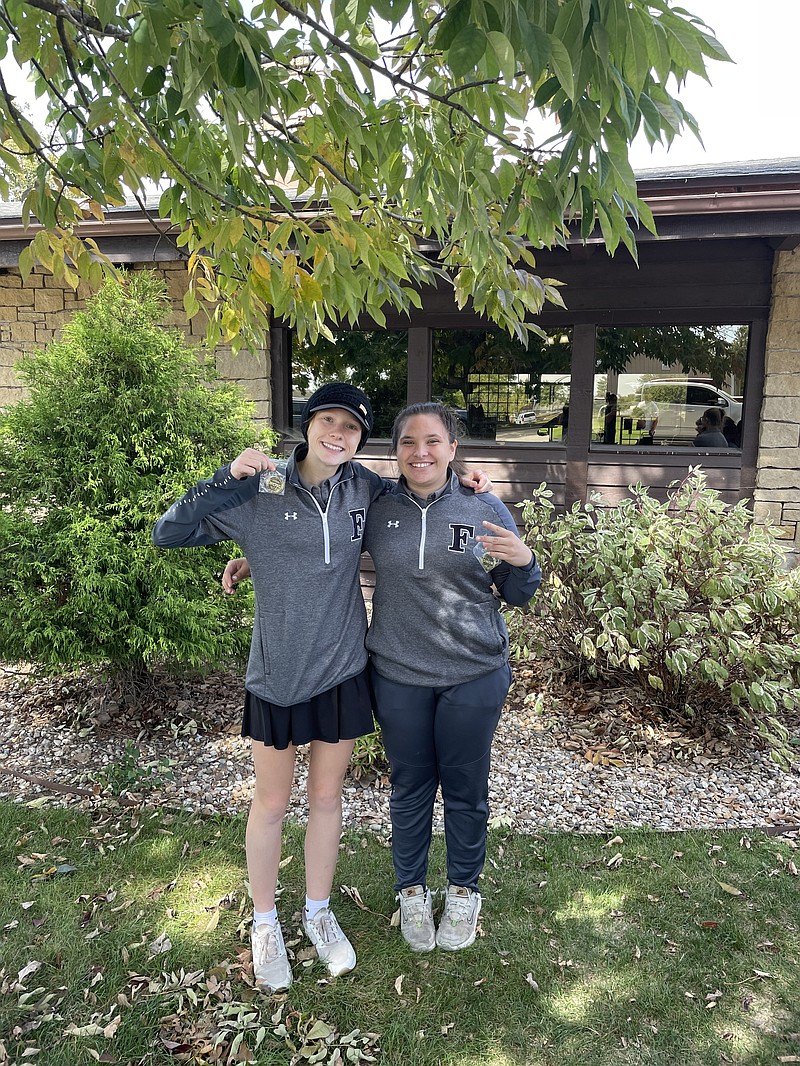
(467,50)
(546,92)
(561,65)
(231,64)
(535,46)
(456,19)
(161,32)
(106,9)
(506,177)
(504,53)
(570,27)
(25,262)
(220,28)
(154,82)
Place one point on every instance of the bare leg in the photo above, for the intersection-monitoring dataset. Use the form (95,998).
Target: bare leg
(327,767)
(274,775)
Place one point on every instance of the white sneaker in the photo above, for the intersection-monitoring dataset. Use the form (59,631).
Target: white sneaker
(416,918)
(459,922)
(333,947)
(271,967)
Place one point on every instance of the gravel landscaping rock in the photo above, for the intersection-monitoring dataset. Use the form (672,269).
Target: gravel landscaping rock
(571,759)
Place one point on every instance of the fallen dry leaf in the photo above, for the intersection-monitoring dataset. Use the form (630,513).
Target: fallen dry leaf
(398,984)
(213,921)
(161,944)
(26,971)
(730,889)
(352,892)
(111,1029)
(92,1029)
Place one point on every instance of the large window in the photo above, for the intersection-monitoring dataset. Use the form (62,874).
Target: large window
(670,385)
(502,390)
(375,361)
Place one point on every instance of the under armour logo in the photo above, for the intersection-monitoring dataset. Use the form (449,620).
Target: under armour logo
(290,514)
(392,525)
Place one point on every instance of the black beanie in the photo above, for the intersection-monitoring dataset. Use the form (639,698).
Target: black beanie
(339,394)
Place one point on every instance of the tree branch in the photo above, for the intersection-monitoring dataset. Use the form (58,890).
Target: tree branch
(78,18)
(68,59)
(17,118)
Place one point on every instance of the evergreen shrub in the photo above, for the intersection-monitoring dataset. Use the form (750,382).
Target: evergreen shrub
(688,599)
(120,419)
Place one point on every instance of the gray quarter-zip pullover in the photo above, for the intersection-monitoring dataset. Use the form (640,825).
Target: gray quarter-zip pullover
(310,623)
(436,620)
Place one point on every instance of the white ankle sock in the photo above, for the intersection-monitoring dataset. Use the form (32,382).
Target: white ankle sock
(315,905)
(265,917)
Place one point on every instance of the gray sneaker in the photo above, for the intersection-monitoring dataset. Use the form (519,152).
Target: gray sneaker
(333,947)
(271,967)
(416,918)
(459,922)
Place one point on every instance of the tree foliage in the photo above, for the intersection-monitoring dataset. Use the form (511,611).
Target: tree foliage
(120,420)
(423,143)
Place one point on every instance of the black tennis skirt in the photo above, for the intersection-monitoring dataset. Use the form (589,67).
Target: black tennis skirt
(343,712)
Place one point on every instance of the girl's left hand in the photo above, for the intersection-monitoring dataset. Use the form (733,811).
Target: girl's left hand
(505,545)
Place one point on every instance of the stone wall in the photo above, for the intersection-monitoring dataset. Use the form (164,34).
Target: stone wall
(32,314)
(777,493)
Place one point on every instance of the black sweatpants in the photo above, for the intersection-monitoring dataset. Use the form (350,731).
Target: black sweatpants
(439,736)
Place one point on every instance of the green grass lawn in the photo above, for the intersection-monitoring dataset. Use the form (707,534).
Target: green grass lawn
(676,949)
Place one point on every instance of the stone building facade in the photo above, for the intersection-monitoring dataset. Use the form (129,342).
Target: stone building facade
(31,315)
(777,492)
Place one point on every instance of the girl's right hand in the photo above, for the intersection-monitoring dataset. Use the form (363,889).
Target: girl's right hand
(235,571)
(251,461)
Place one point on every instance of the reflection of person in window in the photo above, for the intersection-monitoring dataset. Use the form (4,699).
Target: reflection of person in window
(709,430)
(732,431)
(609,412)
(647,420)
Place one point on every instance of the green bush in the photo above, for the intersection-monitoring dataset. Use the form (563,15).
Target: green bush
(120,420)
(687,598)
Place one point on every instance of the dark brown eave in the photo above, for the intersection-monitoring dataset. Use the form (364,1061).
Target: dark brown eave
(690,203)
(718,202)
(133,225)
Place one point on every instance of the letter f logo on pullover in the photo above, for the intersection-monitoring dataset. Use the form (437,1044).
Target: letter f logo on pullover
(461,537)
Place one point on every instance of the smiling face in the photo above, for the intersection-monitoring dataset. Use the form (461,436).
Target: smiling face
(333,437)
(424,452)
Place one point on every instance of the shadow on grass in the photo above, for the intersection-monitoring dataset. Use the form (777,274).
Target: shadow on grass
(669,949)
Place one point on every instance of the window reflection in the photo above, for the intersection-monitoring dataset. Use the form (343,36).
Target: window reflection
(502,390)
(375,360)
(671,385)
